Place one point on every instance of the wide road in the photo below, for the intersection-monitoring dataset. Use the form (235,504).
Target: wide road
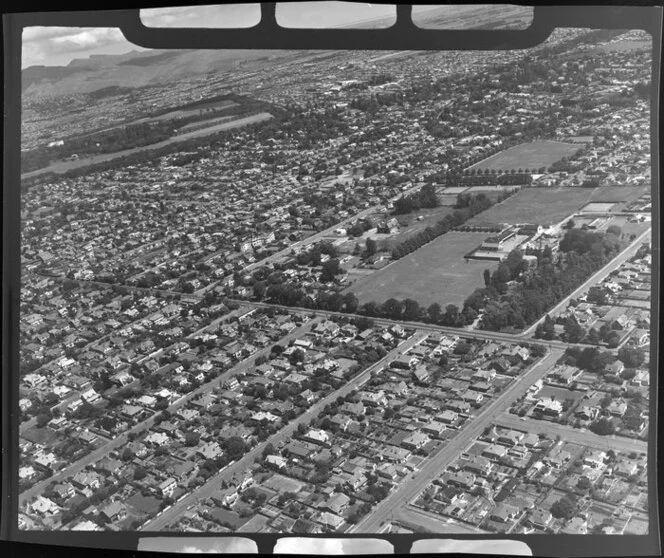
(569,434)
(461,332)
(614,264)
(239,467)
(434,466)
(120,440)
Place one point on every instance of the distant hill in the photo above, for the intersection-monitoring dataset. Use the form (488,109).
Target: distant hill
(37,74)
(136,69)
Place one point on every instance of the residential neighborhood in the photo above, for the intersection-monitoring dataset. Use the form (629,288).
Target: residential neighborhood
(340,292)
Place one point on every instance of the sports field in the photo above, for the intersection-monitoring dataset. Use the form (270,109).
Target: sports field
(532,155)
(437,272)
(547,206)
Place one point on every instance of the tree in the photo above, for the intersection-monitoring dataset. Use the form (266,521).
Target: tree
(140,473)
(603,427)
(351,303)
(392,308)
(565,508)
(235,448)
(43,418)
(191,439)
(574,333)
(593,337)
(434,312)
(411,309)
(613,339)
(297,356)
(451,316)
(371,246)
(127,455)
(583,483)
(462,348)
(632,357)
(538,350)
(487,278)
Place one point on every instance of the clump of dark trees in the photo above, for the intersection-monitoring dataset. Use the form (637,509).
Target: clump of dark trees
(425,197)
(514,299)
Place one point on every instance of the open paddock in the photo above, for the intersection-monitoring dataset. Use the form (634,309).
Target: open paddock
(532,155)
(437,272)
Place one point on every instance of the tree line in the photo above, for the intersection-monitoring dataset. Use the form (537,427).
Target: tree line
(467,206)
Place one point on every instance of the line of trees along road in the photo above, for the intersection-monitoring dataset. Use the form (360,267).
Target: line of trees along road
(514,295)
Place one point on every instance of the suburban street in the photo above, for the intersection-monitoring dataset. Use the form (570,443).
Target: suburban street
(121,439)
(435,465)
(468,333)
(239,467)
(295,292)
(569,434)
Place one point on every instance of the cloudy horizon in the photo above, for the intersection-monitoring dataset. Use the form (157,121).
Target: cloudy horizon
(58,46)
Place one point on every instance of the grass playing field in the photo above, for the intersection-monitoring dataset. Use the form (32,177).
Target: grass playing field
(547,206)
(532,155)
(437,272)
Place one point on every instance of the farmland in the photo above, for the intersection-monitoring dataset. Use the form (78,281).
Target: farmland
(437,272)
(532,155)
(547,206)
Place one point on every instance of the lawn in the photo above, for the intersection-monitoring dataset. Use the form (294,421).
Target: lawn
(437,272)
(532,155)
(547,206)
(282,484)
(560,394)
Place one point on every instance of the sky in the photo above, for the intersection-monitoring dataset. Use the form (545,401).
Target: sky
(431,546)
(199,545)
(302,545)
(57,46)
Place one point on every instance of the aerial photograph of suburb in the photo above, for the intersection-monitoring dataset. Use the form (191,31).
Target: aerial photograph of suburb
(336,291)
